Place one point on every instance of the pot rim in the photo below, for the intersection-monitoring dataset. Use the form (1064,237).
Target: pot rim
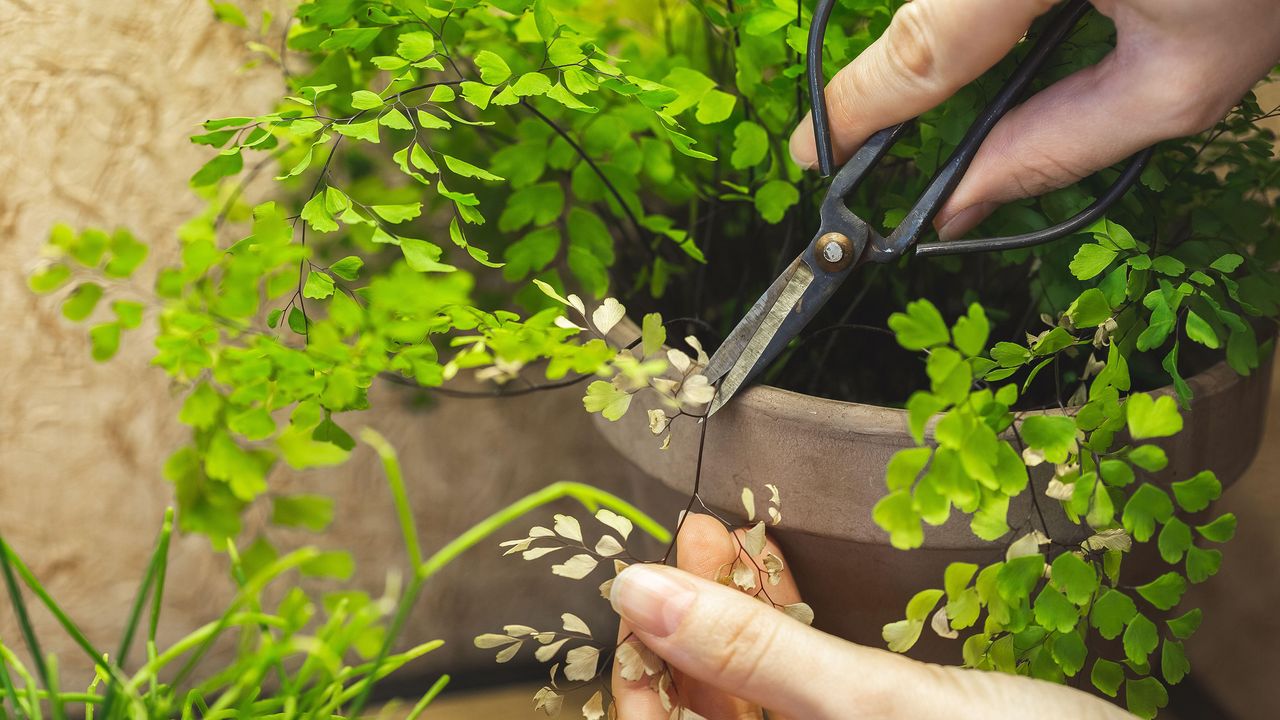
(821,429)
(868,419)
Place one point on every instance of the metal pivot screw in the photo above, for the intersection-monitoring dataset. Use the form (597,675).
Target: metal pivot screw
(834,252)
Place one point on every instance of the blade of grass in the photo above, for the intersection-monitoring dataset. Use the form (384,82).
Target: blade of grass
(395,479)
(162,571)
(92,692)
(590,497)
(10,560)
(154,568)
(251,589)
(422,704)
(24,620)
(31,690)
(246,639)
(7,684)
(55,697)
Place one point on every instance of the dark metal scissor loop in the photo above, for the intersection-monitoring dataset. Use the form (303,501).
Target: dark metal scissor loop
(844,241)
(917,220)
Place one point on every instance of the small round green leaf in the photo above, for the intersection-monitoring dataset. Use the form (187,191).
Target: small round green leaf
(1194,494)
(1165,591)
(1152,418)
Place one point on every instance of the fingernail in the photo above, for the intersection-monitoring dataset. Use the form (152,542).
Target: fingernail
(802,147)
(962,222)
(650,599)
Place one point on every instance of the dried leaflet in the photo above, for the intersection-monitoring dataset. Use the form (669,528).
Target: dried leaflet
(942,626)
(679,361)
(774,567)
(749,502)
(607,586)
(658,421)
(775,504)
(1028,544)
(580,663)
(608,546)
(548,701)
(567,526)
(489,641)
(703,360)
(743,575)
(1059,490)
(576,567)
(567,324)
(573,623)
(547,652)
(594,709)
(1116,539)
(636,661)
(619,524)
(800,611)
(509,652)
(607,315)
(697,390)
(535,553)
(753,540)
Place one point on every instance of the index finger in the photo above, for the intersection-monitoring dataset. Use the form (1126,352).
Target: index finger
(931,49)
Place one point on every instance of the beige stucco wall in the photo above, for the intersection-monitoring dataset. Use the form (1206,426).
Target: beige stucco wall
(96,102)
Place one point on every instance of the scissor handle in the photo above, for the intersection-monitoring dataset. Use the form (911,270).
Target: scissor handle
(948,177)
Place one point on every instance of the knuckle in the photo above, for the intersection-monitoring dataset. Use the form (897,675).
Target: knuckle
(911,43)
(746,642)
(843,100)
(1035,171)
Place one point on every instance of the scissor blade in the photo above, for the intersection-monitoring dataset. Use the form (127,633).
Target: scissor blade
(733,346)
(775,319)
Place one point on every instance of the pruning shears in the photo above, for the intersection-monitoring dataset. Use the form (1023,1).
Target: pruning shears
(844,241)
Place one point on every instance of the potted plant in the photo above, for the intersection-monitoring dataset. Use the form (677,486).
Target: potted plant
(453,176)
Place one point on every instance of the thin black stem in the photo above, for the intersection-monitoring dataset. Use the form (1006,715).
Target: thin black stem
(626,209)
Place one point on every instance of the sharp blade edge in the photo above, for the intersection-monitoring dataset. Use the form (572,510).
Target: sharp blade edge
(745,365)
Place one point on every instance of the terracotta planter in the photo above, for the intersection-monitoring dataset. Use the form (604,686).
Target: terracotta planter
(828,458)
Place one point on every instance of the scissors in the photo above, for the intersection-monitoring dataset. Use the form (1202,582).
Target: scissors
(844,241)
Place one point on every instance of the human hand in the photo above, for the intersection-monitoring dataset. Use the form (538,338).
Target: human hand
(733,655)
(1178,67)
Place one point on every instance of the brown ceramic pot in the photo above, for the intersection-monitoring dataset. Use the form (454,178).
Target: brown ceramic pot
(828,458)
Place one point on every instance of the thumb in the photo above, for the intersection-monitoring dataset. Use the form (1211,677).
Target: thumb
(745,647)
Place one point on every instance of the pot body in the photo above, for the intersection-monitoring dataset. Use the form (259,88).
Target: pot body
(828,458)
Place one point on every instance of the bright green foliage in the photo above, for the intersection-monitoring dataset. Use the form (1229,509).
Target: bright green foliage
(983,457)
(1148,506)
(921,327)
(1185,625)
(1220,530)
(1112,612)
(1145,697)
(1173,662)
(1150,418)
(1107,676)
(1195,494)
(1165,591)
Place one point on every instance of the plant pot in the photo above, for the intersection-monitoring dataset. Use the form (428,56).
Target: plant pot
(828,459)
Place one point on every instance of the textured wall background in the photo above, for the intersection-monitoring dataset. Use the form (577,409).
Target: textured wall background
(95,107)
